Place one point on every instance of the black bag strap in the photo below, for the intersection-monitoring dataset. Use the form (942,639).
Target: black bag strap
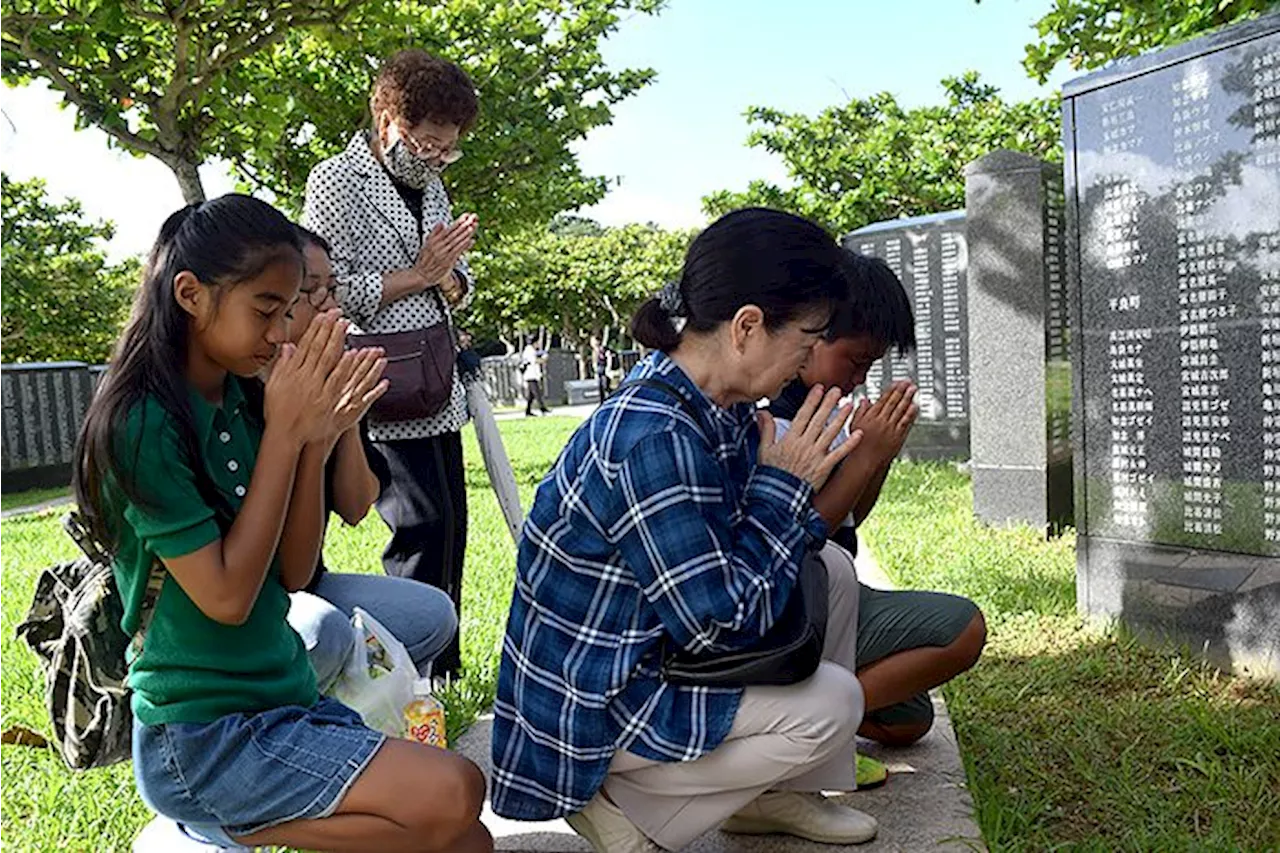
(445,318)
(669,390)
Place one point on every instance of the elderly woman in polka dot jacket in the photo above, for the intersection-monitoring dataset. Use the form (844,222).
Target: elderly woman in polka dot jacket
(398,254)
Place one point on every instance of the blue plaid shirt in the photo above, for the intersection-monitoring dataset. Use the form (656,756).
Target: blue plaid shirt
(650,524)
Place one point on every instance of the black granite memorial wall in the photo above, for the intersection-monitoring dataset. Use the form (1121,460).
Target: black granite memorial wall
(43,406)
(930,255)
(1173,204)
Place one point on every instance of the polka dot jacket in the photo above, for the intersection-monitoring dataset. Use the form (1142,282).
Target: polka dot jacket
(352,203)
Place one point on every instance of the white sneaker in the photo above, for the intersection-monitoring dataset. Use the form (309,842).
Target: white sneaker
(609,830)
(166,836)
(804,815)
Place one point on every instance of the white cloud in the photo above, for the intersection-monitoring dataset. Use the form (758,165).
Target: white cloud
(1243,209)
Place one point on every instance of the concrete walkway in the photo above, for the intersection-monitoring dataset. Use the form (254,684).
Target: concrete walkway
(34,508)
(923,807)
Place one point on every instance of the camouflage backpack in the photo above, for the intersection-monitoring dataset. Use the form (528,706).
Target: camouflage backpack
(74,629)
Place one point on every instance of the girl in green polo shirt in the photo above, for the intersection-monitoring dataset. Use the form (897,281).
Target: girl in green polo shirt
(231,741)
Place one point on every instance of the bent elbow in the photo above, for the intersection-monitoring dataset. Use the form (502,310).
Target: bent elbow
(233,614)
(354,506)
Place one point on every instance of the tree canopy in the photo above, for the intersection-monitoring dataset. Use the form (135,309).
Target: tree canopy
(272,88)
(572,284)
(1088,34)
(872,159)
(62,300)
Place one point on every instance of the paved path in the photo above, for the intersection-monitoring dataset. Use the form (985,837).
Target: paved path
(923,807)
(33,508)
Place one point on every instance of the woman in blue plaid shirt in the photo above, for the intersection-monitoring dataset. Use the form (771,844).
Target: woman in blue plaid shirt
(657,526)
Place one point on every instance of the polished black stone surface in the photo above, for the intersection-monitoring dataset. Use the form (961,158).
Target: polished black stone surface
(44,405)
(930,255)
(1173,198)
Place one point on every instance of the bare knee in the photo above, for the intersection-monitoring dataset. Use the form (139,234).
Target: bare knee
(449,811)
(967,648)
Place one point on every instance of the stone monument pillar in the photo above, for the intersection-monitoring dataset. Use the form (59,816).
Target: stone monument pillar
(1019,353)
(1173,215)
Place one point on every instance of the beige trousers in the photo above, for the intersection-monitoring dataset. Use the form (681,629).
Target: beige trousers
(799,737)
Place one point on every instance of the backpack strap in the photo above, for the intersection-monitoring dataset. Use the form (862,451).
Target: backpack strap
(74,525)
(78,529)
(147,609)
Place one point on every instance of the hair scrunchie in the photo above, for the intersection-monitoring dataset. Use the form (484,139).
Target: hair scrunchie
(672,300)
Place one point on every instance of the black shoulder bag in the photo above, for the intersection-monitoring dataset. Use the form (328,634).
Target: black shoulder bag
(791,650)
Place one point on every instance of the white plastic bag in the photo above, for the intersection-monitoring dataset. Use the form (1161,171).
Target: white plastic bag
(377,682)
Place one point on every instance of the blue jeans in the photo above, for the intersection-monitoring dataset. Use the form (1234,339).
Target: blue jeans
(420,616)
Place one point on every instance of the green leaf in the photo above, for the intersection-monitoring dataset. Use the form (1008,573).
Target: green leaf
(290,102)
(62,300)
(870,159)
(1091,33)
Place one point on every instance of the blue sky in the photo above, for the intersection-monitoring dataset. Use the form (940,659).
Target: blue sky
(678,139)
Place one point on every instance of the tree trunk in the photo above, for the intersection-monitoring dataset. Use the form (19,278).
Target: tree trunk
(188,179)
(578,351)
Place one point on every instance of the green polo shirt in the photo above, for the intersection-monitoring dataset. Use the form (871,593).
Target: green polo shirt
(193,669)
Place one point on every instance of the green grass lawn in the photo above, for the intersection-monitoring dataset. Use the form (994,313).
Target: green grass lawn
(31,497)
(46,807)
(1073,738)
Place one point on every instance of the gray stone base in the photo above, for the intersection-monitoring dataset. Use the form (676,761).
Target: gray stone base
(937,440)
(1219,605)
(1038,496)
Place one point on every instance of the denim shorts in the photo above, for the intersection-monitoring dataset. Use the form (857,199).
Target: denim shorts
(243,773)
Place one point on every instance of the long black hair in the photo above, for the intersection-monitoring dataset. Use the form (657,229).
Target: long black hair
(223,242)
(781,263)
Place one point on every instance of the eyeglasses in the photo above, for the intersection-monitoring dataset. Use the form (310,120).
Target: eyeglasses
(318,294)
(430,150)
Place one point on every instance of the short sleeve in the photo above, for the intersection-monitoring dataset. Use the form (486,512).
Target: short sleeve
(172,519)
(782,426)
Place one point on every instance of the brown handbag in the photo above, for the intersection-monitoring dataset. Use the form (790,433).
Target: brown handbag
(419,370)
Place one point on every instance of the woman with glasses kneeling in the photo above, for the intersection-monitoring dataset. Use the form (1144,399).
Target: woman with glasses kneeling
(681,523)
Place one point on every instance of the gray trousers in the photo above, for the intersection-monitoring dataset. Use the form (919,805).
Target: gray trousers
(799,737)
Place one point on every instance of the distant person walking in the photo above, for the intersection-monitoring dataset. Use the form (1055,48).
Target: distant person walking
(531,371)
(600,358)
